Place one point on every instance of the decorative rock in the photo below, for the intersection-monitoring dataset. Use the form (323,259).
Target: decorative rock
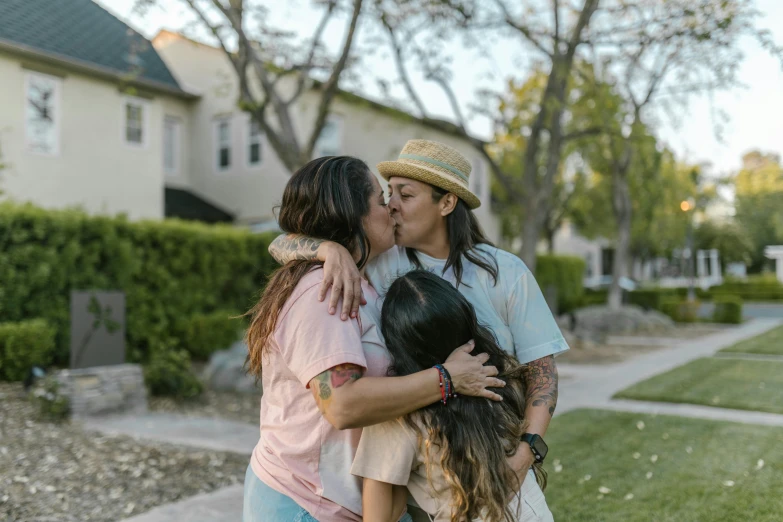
(594,323)
(104,389)
(226,371)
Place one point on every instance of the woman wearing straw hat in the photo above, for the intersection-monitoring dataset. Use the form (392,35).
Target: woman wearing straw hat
(431,203)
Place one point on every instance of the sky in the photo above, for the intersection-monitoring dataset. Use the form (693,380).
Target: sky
(755,111)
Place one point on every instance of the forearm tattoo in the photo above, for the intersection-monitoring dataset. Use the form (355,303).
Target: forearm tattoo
(324,384)
(541,381)
(290,247)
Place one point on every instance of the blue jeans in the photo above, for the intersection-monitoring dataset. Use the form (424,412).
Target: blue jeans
(264,504)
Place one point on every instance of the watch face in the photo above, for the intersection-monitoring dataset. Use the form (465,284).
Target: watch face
(540,446)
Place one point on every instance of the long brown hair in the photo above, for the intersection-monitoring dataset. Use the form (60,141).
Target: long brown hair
(423,319)
(325,199)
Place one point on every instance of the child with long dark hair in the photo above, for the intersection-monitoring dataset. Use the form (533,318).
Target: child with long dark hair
(451,455)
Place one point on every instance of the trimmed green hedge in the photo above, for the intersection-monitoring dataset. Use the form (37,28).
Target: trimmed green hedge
(169,270)
(681,310)
(755,288)
(23,345)
(566,273)
(728,309)
(204,334)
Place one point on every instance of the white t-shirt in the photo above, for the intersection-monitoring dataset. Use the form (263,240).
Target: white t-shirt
(514,308)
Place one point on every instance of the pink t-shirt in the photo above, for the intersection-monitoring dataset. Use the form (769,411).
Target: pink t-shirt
(299,453)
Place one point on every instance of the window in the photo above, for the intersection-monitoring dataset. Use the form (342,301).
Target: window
(330,140)
(135,122)
(254,144)
(223,140)
(478,177)
(171,144)
(42,114)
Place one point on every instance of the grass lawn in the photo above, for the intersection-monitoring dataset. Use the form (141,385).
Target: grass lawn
(725,383)
(672,470)
(770,343)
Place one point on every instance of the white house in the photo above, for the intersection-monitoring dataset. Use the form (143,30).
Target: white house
(93,114)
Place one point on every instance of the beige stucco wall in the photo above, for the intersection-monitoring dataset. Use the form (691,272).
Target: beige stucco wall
(95,168)
(252,193)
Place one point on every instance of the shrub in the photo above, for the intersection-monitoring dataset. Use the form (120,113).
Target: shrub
(728,309)
(203,334)
(168,269)
(169,373)
(682,311)
(594,297)
(651,298)
(23,345)
(566,274)
(755,288)
(52,405)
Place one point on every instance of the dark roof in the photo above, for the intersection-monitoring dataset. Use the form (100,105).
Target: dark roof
(82,31)
(184,204)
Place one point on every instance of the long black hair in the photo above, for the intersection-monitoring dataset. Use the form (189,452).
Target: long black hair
(423,320)
(465,234)
(325,199)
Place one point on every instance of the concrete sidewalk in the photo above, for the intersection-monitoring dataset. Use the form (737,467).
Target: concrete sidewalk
(221,505)
(198,432)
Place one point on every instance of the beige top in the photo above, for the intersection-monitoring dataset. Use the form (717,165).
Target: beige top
(390,452)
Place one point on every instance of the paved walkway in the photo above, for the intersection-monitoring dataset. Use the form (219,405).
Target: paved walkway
(582,386)
(199,432)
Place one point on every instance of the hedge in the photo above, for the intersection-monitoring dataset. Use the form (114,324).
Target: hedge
(203,334)
(566,274)
(680,310)
(728,309)
(23,345)
(755,288)
(169,270)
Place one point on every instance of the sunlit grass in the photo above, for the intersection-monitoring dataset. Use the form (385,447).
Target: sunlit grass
(725,383)
(770,343)
(630,467)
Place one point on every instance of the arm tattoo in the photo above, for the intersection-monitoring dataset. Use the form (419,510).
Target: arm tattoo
(541,381)
(324,384)
(290,247)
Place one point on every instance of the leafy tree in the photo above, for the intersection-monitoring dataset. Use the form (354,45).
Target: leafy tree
(759,202)
(730,239)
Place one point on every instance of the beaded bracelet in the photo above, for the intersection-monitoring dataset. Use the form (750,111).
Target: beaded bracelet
(446,386)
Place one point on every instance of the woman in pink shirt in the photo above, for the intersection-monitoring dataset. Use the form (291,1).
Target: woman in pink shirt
(323,378)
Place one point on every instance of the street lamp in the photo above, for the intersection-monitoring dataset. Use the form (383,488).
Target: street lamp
(687,206)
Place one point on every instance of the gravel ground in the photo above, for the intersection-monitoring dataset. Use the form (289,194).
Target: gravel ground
(59,472)
(228,405)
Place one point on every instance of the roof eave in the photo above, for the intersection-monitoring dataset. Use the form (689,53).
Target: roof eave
(77,65)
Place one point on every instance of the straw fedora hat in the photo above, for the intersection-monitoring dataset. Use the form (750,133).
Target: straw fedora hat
(433,163)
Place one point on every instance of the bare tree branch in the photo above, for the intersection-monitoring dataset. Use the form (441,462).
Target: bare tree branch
(329,89)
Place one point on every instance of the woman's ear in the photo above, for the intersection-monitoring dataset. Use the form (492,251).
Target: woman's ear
(447,204)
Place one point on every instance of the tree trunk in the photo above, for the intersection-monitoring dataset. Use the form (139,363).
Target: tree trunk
(621,204)
(530,235)
(550,240)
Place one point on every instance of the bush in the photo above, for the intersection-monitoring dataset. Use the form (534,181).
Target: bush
(566,274)
(594,297)
(755,288)
(651,298)
(23,345)
(682,311)
(168,269)
(728,309)
(52,405)
(203,334)
(169,373)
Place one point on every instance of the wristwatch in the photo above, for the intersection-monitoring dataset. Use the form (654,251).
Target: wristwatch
(537,445)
